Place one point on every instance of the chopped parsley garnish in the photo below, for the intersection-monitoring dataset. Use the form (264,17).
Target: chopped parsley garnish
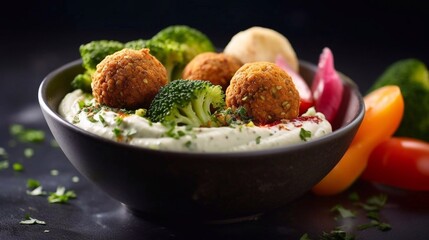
(354,197)
(4,164)
(119,120)
(61,195)
(173,132)
(81,104)
(35,189)
(31,221)
(343,212)
(102,120)
(375,224)
(242,113)
(117,132)
(305,237)
(188,144)
(32,183)
(75,179)
(54,172)
(258,139)
(18,167)
(26,134)
(3,153)
(375,203)
(91,118)
(304,134)
(28,152)
(372,206)
(337,234)
(38,191)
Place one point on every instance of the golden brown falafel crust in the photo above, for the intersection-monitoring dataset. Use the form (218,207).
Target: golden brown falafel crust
(218,68)
(265,90)
(128,79)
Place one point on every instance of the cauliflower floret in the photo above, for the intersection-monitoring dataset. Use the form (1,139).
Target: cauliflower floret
(261,44)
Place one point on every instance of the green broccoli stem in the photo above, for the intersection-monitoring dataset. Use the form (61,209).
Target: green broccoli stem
(187,116)
(202,107)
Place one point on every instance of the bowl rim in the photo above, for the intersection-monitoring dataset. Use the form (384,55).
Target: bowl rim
(53,113)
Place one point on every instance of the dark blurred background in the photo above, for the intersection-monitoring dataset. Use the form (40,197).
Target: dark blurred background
(365,36)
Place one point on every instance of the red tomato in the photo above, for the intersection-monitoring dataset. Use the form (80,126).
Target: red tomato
(400,162)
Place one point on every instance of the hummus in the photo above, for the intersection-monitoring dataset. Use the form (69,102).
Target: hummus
(120,125)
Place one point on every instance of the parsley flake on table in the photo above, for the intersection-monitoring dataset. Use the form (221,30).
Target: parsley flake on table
(38,191)
(3,153)
(35,189)
(54,172)
(31,221)
(18,167)
(27,134)
(28,152)
(4,164)
(61,195)
(343,212)
(337,235)
(373,206)
(32,183)
(75,179)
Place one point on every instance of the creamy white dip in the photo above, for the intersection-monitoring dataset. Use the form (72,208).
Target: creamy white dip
(136,130)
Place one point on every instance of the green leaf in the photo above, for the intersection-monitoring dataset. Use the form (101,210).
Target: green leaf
(31,221)
(18,167)
(32,183)
(354,197)
(28,152)
(3,152)
(344,213)
(304,134)
(4,164)
(305,237)
(38,191)
(26,134)
(61,195)
(337,235)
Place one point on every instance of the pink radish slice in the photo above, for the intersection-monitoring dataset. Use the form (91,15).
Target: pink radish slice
(306,97)
(327,86)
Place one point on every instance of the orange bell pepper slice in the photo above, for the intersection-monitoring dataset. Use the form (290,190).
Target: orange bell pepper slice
(384,109)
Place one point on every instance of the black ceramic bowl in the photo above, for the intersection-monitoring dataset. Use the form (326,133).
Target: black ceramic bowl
(199,187)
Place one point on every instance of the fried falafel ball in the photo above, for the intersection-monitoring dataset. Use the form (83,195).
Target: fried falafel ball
(128,79)
(266,92)
(218,68)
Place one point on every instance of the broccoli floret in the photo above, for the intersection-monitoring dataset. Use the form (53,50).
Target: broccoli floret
(83,81)
(173,46)
(136,44)
(187,102)
(177,45)
(170,54)
(412,77)
(94,52)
